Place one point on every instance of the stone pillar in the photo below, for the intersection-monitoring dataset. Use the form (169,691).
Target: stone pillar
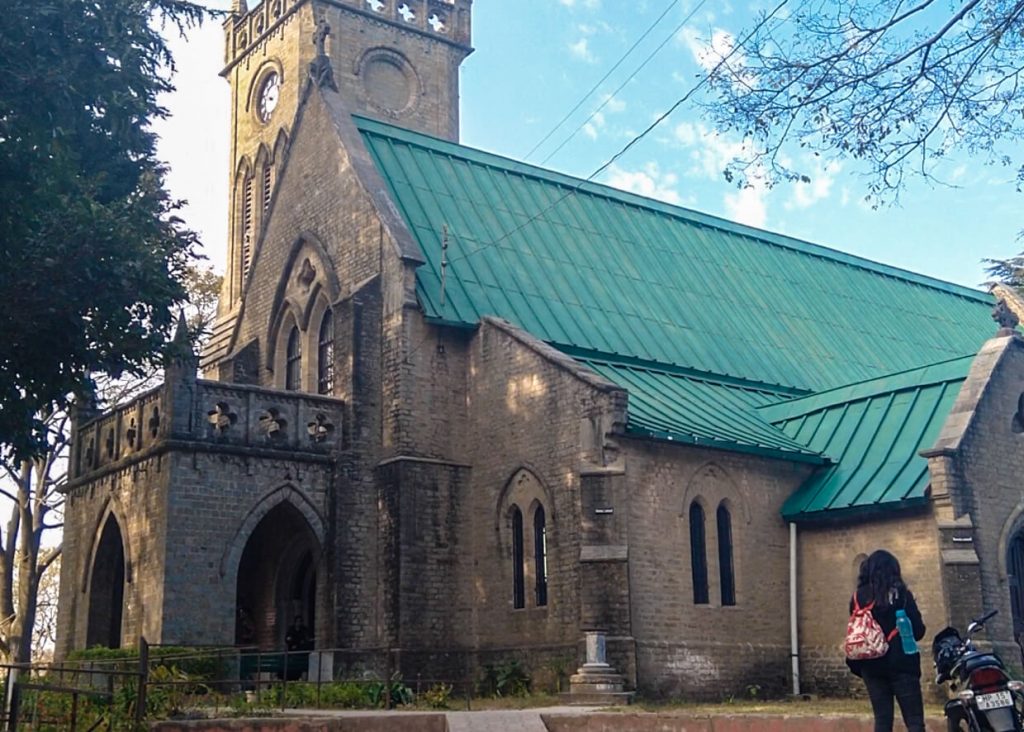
(595,682)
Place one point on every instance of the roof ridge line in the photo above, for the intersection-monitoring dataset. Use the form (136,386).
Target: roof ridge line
(367,124)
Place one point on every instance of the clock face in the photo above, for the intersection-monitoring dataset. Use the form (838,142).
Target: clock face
(270,92)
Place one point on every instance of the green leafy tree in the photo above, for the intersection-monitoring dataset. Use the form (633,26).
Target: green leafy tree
(92,254)
(33,487)
(898,85)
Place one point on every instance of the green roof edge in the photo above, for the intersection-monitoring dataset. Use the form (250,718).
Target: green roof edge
(855,512)
(679,438)
(945,371)
(481,157)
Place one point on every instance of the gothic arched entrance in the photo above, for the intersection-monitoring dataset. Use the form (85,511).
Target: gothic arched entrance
(106,588)
(277,579)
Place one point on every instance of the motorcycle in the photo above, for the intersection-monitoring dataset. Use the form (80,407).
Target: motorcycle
(985,698)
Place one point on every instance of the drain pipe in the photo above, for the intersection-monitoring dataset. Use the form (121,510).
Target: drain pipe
(794,643)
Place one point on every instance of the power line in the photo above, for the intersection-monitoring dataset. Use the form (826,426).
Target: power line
(693,90)
(594,88)
(623,84)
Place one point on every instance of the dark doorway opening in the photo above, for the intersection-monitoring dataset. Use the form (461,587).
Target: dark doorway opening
(106,589)
(277,582)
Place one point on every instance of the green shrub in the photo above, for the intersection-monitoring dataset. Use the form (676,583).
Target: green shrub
(505,679)
(437,696)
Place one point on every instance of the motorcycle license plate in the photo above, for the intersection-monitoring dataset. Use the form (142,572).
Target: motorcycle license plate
(994,701)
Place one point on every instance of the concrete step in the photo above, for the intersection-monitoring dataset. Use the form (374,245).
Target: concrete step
(495,721)
(596,698)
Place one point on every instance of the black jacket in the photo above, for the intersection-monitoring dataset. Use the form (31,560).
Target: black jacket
(895,661)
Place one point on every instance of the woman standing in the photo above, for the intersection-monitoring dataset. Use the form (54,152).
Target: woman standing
(896,674)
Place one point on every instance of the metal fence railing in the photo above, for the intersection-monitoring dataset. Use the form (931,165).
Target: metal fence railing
(152,681)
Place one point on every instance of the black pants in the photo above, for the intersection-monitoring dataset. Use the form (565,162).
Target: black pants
(906,689)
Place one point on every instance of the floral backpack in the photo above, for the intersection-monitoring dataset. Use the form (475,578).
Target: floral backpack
(864,637)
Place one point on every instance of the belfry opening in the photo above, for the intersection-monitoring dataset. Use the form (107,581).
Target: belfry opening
(106,588)
(277,583)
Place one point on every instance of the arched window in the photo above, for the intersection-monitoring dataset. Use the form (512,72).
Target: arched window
(247,226)
(325,356)
(725,569)
(267,185)
(293,364)
(540,555)
(698,555)
(518,570)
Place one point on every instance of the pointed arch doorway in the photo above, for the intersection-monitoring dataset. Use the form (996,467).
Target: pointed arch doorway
(277,581)
(106,588)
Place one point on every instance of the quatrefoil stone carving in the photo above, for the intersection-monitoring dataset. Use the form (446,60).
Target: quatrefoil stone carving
(272,424)
(320,428)
(221,418)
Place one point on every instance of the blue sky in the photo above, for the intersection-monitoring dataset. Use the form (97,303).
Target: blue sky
(534,61)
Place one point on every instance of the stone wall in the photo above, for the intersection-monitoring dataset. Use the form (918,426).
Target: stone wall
(977,464)
(828,561)
(530,411)
(186,493)
(708,650)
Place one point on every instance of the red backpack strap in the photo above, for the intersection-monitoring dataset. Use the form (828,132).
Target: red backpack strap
(892,634)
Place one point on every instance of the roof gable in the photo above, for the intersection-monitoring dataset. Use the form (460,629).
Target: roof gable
(873,432)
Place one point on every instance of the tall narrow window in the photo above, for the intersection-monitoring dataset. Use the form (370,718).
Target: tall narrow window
(698,555)
(518,573)
(293,364)
(325,356)
(540,555)
(726,575)
(247,225)
(266,187)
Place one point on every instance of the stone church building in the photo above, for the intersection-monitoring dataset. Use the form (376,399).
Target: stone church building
(459,410)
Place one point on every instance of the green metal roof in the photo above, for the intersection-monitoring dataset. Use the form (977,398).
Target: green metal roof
(676,406)
(582,265)
(873,432)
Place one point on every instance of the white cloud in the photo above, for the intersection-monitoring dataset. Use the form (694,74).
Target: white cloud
(612,104)
(587,4)
(648,181)
(580,49)
(708,53)
(747,205)
(711,153)
(820,187)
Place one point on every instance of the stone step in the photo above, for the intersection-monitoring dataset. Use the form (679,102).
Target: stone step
(597,698)
(495,721)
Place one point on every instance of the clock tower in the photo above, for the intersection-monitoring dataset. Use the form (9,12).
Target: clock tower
(395,60)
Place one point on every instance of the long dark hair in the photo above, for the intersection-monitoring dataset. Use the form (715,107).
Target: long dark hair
(879,578)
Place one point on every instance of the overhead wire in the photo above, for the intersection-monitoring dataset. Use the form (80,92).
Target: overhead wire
(604,78)
(661,118)
(629,78)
